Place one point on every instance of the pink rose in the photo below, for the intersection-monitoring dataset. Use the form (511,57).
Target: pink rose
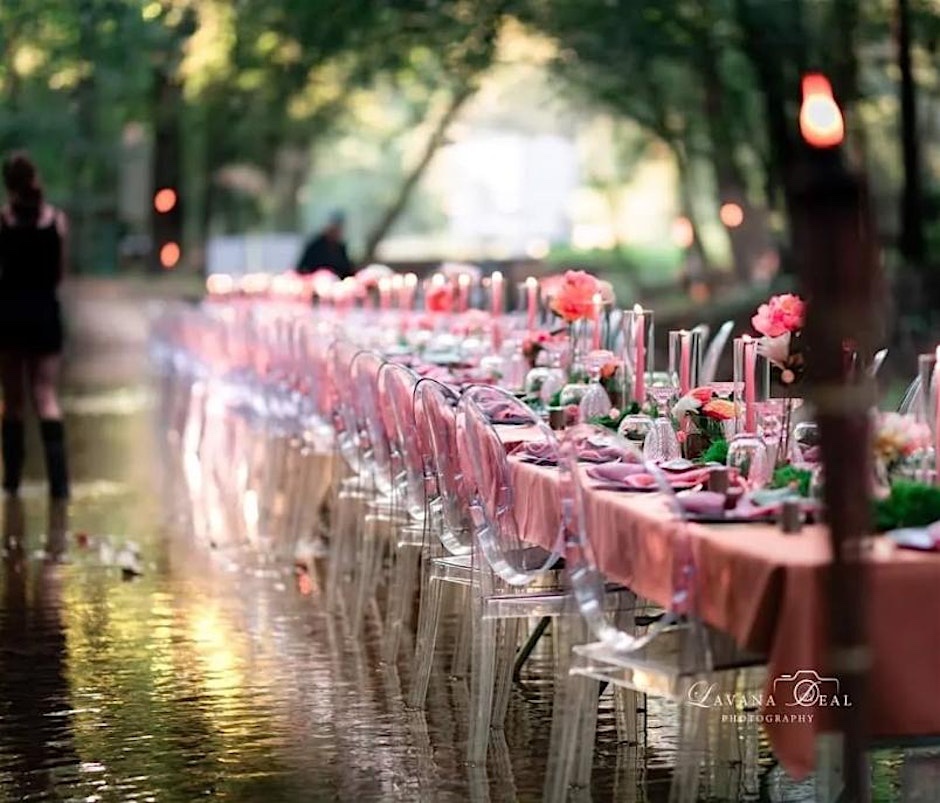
(439,298)
(780,315)
(573,296)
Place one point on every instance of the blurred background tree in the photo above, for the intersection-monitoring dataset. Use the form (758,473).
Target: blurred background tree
(263,115)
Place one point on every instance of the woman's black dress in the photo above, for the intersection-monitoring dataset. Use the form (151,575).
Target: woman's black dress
(30,266)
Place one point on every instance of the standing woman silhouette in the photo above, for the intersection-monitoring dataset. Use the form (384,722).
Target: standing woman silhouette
(32,260)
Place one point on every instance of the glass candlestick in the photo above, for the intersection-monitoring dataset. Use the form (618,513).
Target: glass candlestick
(929,411)
(685,359)
(638,349)
(751,382)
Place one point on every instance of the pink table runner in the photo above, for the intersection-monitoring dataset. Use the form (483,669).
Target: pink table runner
(768,591)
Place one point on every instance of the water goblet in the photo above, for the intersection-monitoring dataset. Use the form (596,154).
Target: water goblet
(748,454)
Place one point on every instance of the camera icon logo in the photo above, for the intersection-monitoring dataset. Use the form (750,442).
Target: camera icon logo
(806,689)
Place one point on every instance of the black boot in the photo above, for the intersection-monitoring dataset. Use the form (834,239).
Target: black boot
(14,454)
(53,444)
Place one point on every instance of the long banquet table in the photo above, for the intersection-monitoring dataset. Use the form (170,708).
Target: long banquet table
(768,591)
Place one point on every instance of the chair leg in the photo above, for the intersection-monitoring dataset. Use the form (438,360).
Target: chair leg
(482,680)
(401,596)
(575,706)
(507,639)
(693,732)
(530,644)
(429,617)
(460,665)
(369,557)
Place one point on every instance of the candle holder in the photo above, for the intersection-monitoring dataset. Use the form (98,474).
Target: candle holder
(928,412)
(638,342)
(685,359)
(751,383)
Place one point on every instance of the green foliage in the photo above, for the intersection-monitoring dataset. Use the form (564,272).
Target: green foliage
(909,504)
(788,476)
(717,452)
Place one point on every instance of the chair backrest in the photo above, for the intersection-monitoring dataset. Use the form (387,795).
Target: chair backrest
(493,505)
(911,400)
(589,525)
(435,411)
(396,399)
(349,440)
(713,352)
(371,421)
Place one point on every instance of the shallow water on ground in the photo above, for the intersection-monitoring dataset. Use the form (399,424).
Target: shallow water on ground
(209,676)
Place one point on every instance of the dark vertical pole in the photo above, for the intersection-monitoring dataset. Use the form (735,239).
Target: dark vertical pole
(165,227)
(912,230)
(838,269)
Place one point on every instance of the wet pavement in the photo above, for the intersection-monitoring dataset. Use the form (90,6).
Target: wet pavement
(212,674)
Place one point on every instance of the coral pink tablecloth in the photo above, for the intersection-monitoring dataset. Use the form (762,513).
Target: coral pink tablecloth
(768,590)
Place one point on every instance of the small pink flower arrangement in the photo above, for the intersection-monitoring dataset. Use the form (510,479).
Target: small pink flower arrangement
(572,295)
(780,321)
(705,414)
(898,437)
(783,314)
(439,298)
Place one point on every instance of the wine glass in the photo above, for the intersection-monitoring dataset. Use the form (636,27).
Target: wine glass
(748,454)
(804,452)
(661,444)
(595,402)
(547,378)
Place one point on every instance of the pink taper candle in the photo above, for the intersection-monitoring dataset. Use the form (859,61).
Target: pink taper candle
(598,309)
(463,292)
(496,289)
(750,384)
(685,362)
(531,289)
(385,292)
(639,339)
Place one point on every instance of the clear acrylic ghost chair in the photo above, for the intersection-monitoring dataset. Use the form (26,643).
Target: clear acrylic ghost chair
(714,351)
(385,516)
(352,486)
(447,562)
(396,400)
(663,659)
(911,400)
(514,577)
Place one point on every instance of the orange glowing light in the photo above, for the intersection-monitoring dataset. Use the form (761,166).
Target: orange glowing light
(731,214)
(169,255)
(821,122)
(683,235)
(165,200)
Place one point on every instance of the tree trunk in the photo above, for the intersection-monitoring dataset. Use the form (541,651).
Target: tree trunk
(697,251)
(912,231)
(400,203)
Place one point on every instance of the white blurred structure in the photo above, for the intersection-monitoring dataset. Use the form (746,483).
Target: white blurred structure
(253,253)
(506,193)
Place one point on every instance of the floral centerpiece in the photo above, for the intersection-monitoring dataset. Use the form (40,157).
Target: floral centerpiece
(439,297)
(897,439)
(571,296)
(704,418)
(780,323)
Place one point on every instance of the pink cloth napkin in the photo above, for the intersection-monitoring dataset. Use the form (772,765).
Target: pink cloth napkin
(540,450)
(617,473)
(703,503)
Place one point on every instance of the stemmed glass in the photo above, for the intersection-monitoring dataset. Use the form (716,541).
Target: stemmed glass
(595,403)
(662,444)
(548,377)
(748,453)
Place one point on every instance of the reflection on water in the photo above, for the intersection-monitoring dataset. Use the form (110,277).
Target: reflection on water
(205,677)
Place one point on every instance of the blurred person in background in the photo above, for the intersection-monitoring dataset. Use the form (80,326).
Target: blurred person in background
(33,238)
(327,250)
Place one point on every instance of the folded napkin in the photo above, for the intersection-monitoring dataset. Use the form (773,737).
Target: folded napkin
(539,450)
(703,503)
(618,473)
(504,411)
(925,539)
(592,453)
